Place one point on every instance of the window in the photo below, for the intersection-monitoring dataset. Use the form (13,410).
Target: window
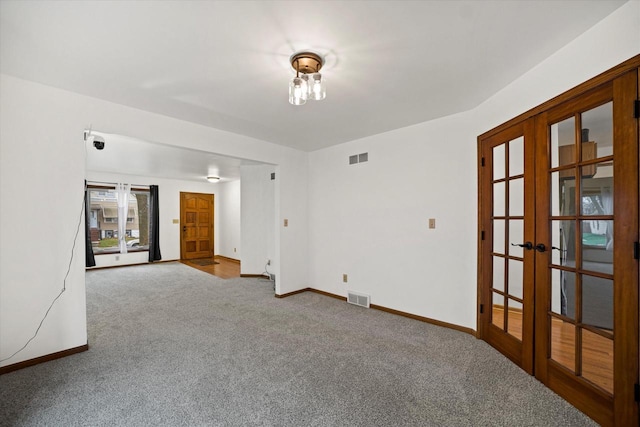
(104,220)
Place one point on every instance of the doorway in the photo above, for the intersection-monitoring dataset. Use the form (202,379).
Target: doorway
(558,268)
(196,222)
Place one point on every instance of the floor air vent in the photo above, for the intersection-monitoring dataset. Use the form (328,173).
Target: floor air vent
(358,299)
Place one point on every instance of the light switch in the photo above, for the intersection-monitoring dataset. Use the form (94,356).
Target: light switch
(345,279)
(176,221)
(286,222)
(432,223)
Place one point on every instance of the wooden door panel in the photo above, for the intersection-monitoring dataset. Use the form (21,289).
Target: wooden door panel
(592,366)
(197,225)
(507,269)
(203,232)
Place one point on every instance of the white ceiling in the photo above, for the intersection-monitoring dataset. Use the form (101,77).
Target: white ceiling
(132,156)
(224,64)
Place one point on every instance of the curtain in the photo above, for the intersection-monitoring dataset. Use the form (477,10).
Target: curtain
(154,229)
(122,193)
(90,260)
(563,261)
(607,206)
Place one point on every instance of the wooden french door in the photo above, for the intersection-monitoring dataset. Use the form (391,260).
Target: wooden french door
(564,304)
(196,220)
(507,224)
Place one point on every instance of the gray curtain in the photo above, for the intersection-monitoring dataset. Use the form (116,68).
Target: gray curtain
(154,228)
(90,260)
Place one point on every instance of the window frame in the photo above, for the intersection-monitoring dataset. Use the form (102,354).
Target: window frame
(103,190)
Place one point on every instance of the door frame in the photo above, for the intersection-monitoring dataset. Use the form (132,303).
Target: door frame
(625,408)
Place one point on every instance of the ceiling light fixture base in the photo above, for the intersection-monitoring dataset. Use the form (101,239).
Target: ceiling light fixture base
(306,62)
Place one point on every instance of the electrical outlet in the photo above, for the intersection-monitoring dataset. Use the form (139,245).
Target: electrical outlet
(345,279)
(234,249)
(117,257)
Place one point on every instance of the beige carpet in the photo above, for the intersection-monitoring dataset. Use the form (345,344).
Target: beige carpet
(171,345)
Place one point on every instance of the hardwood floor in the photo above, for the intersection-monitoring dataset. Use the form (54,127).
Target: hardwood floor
(225,269)
(597,351)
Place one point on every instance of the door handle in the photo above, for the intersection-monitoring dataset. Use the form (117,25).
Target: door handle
(540,247)
(527,245)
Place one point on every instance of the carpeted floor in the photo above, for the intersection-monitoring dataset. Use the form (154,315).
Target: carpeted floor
(171,346)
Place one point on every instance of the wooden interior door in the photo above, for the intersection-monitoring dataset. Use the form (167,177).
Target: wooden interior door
(196,221)
(580,290)
(587,279)
(506,248)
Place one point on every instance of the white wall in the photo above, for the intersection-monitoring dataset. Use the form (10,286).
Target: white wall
(257,218)
(229,230)
(42,173)
(41,198)
(169,198)
(295,210)
(370,220)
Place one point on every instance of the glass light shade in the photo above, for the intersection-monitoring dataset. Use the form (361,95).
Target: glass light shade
(298,91)
(317,87)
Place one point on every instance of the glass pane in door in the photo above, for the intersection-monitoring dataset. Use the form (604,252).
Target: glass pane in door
(563,343)
(562,143)
(499,201)
(498,273)
(597,302)
(516,157)
(499,236)
(514,321)
(516,197)
(516,237)
(597,360)
(581,227)
(499,164)
(596,190)
(516,278)
(497,309)
(597,132)
(597,245)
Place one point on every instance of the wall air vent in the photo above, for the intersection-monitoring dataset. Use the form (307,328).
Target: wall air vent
(358,158)
(358,299)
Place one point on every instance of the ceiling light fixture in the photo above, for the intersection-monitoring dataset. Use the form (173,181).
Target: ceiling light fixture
(308,82)
(213,178)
